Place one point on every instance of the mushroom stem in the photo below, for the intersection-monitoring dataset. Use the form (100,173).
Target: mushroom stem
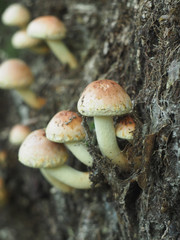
(70,176)
(107,142)
(80,152)
(30,98)
(57,184)
(62,52)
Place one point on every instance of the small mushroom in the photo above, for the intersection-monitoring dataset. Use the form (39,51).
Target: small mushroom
(18,133)
(16,15)
(15,74)
(125,128)
(102,100)
(38,152)
(21,40)
(65,127)
(52,30)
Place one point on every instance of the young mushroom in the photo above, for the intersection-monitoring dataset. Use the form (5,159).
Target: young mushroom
(52,30)
(15,74)
(65,127)
(21,40)
(18,133)
(102,100)
(16,15)
(38,152)
(125,128)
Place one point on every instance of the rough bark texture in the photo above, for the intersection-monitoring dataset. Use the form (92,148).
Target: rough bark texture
(135,43)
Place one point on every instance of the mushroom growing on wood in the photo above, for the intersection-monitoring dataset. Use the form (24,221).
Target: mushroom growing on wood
(65,127)
(16,15)
(52,30)
(102,100)
(18,133)
(15,74)
(39,152)
(125,128)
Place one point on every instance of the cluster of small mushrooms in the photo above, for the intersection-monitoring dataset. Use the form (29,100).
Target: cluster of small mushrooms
(103,99)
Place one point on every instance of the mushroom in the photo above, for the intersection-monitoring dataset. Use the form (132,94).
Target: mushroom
(65,127)
(125,128)
(52,30)
(21,40)
(39,152)
(15,74)
(18,133)
(16,15)
(102,100)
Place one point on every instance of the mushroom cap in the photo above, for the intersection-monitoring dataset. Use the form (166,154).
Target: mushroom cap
(15,73)
(38,152)
(125,128)
(21,40)
(65,126)
(16,15)
(18,133)
(46,27)
(104,98)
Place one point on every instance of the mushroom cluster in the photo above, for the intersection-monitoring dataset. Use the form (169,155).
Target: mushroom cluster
(103,100)
(46,148)
(31,34)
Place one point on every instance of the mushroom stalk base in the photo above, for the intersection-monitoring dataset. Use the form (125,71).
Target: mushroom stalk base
(30,98)
(62,52)
(107,142)
(70,176)
(57,184)
(80,152)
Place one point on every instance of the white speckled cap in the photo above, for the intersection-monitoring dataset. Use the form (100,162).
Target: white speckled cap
(38,152)
(16,15)
(21,40)
(46,27)
(125,128)
(104,98)
(65,126)
(15,73)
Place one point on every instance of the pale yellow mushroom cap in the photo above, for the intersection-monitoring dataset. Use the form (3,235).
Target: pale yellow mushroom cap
(15,73)
(21,40)
(38,152)
(65,126)
(46,27)
(16,15)
(18,133)
(104,98)
(125,128)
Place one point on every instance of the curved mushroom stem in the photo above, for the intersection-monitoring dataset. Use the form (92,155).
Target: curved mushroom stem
(107,142)
(56,183)
(80,152)
(70,176)
(62,53)
(30,98)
